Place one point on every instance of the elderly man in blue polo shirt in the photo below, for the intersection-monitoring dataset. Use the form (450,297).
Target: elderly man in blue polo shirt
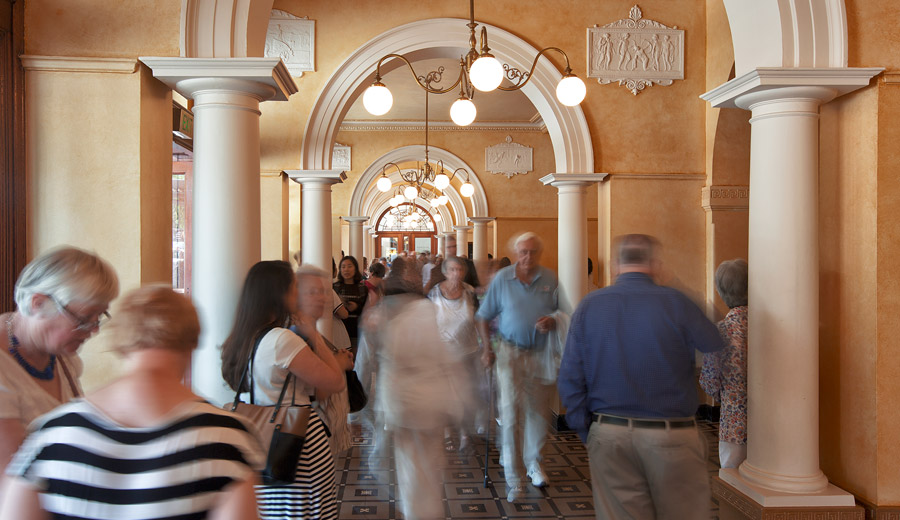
(627,381)
(524,297)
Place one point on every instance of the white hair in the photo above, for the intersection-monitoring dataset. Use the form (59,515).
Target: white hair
(67,275)
(525,237)
(311,270)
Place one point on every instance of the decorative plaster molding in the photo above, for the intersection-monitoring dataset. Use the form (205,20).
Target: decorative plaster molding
(892,78)
(660,176)
(418,126)
(78,64)
(509,158)
(293,39)
(270,173)
(637,53)
(340,157)
(725,198)
(561,179)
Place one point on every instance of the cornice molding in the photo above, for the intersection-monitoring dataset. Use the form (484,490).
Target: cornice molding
(418,126)
(838,80)
(660,176)
(270,173)
(725,198)
(564,179)
(33,63)
(175,72)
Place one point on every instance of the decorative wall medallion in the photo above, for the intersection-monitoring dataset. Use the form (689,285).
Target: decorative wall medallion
(340,157)
(509,158)
(635,52)
(727,198)
(293,39)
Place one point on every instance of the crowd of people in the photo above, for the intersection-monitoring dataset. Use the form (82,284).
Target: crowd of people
(426,339)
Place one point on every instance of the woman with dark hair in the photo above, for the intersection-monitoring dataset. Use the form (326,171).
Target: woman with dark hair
(353,293)
(373,283)
(269,303)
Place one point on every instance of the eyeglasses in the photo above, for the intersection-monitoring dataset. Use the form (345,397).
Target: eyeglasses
(83,324)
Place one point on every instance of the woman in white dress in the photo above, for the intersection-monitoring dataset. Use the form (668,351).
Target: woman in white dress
(454,302)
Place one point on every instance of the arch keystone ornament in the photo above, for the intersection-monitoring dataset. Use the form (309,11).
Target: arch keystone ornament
(637,53)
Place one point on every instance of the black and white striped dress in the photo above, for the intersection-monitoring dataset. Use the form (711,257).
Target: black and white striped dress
(89,467)
(313,495)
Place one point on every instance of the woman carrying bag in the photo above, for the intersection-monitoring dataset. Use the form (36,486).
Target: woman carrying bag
(267,306)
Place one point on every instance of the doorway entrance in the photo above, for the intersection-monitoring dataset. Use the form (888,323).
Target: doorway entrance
(406,227)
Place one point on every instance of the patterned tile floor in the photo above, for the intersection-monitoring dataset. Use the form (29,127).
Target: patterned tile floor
(370,493)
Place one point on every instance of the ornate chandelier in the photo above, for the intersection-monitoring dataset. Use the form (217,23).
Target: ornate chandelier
(416,178)
(480,70)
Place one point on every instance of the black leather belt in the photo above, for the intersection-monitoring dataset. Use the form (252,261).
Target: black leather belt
(643,423)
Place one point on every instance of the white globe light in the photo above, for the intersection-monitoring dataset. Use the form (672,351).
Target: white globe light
(435,202)
(443,199)
(378,99)
(394,202)
(383,185)
(571,91)
(441,181)
(410,192)
(437,217)
(486,73)
(462,112)
(467,190)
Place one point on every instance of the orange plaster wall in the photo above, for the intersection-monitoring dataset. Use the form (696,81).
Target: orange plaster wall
(668,209)
(121,28)
(848,279)
(888,299)
(873,37)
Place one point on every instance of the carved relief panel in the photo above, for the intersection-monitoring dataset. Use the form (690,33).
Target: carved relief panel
(509,158)
(340,157)
(293,39)
(635,52)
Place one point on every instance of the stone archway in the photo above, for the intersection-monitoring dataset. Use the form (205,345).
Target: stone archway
(567,126)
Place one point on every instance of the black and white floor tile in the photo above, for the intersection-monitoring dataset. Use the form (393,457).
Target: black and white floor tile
(370,493)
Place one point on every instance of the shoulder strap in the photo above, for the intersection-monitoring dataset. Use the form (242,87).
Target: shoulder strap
(65,369)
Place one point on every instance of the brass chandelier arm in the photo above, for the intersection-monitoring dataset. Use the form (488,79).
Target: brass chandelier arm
(425,87)
(512,73)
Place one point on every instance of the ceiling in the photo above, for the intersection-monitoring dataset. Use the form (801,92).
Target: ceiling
(409,99)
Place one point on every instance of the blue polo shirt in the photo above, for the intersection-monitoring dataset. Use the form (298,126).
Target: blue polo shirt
(519,306)
(630,352)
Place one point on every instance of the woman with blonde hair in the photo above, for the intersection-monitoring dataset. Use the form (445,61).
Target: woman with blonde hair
(143,446)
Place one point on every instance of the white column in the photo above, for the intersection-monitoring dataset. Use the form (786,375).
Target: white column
(479,238)
(440,243)
(356,236)
(373,237)
(226,194)
(367,242)
(572,235)
(783,351)
(462,240)
(315,221)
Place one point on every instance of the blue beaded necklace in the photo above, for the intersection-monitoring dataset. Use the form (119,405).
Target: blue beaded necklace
(44,375)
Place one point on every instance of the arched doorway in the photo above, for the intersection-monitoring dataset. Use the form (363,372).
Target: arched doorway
(408,227)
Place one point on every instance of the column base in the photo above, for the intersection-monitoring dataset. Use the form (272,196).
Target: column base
(757,502)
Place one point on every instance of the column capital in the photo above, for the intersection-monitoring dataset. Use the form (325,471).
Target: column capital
(774,83)
(354,219)
(265,78)
(368,228)
(481,220)
(572,179)
(461,228)
(317,176)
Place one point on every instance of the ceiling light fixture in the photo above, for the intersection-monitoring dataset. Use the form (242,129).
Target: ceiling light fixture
(480,70)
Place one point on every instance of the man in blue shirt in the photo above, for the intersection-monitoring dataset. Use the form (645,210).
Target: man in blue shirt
(523,297)
(627,381)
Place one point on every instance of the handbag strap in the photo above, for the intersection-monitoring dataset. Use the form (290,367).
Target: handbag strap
(247,368)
